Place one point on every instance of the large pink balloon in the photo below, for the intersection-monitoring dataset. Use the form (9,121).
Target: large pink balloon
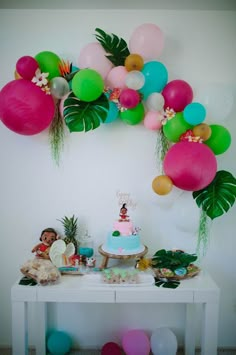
(177,94)
(25,108)
(136,342)
(117,77)
(26,67)
(147,40)
(190,165)
(93,56)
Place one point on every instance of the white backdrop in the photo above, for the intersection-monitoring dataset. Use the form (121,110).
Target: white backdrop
(199,48)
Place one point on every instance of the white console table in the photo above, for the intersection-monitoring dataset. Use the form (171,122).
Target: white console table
(199,290)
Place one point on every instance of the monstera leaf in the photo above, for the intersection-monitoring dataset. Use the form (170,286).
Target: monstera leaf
(84,116)
(115,47)
(219,196)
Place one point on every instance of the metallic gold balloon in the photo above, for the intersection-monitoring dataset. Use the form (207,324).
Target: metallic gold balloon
(134,62)
(162,185)
(203,131)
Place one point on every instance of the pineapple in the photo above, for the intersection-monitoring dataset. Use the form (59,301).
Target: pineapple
(70,230)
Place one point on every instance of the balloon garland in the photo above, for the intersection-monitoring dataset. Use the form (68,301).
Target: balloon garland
(114,80)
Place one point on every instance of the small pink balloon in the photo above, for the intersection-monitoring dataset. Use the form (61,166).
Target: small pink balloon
(147,40)
(129,98)
(177,94)
(136,342)
(25,108)
(26,67)
(94,56)
(116,78)
(152,120)
(191,166)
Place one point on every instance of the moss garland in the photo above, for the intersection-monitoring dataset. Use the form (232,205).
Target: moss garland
(57,135)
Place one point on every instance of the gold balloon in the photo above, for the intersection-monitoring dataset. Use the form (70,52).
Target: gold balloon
(203,131)
(134,62)
(17,76)
(162,185)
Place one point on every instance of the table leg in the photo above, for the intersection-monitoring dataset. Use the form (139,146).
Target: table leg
(19,328)
(209,328)
(190,329)
(41,328)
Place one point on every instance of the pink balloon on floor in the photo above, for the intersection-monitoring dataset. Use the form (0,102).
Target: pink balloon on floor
(94,56)
(116,78)
(25,108)
(191,166)
(177,94)
(136,342)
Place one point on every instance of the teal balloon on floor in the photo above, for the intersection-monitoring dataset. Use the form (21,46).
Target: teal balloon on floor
(59,343)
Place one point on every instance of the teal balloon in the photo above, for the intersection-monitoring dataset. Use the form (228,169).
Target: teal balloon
(156,77)
(113,111)
(59,343)
(194,113)
(74,69)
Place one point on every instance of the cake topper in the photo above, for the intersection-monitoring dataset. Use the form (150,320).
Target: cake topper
(123,214)
(124,198)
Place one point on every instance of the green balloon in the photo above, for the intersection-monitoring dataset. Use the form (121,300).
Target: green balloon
(49,63)
(134,115)
(87,85)
(219,140)
(175,127)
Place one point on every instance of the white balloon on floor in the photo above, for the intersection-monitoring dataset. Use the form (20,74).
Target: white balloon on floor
(163,342)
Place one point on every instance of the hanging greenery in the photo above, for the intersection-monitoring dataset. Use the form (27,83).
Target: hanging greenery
(115,47)
(162,146)
(57,135)
(203,237)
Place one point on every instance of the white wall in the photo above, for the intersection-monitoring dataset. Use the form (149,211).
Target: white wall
(199,48)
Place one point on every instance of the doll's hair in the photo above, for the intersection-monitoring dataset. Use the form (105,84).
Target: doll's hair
(51,230)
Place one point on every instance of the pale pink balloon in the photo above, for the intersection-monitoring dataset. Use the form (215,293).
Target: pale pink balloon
(147,40)
(152,120)
(94,56)
(117,77)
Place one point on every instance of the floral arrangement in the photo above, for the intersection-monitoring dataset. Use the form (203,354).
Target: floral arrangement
(114,80)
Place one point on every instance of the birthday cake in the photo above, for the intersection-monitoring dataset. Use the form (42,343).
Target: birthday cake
(124,239)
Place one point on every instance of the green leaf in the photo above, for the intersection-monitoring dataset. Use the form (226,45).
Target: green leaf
(26,281)
(172,260)
(219,196)
(84,116)
(115,47)
(167,284)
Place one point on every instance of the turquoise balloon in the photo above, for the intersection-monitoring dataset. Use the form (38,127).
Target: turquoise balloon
(113,111)
(156,77)
(194,113)
(59,343)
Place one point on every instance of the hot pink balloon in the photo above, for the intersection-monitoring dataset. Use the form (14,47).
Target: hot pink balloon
(177,94)
(129,98)
(25,108)
(152,120)
(116,78)
(94,56)
(147,40)
(136,342)
(190,165)
(26,67)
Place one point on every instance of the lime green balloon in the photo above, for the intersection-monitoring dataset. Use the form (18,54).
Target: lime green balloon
(175,127)
(220,139)
(87,85)
(49,63)
(134,115)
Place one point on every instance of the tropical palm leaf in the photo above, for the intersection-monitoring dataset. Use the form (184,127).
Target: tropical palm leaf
(84,116)
(115,47)
(219,196)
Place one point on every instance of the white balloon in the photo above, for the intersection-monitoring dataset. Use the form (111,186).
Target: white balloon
(218,101)
(135,80)
(166,201)
(155,102)
(185,213)
(163,342)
